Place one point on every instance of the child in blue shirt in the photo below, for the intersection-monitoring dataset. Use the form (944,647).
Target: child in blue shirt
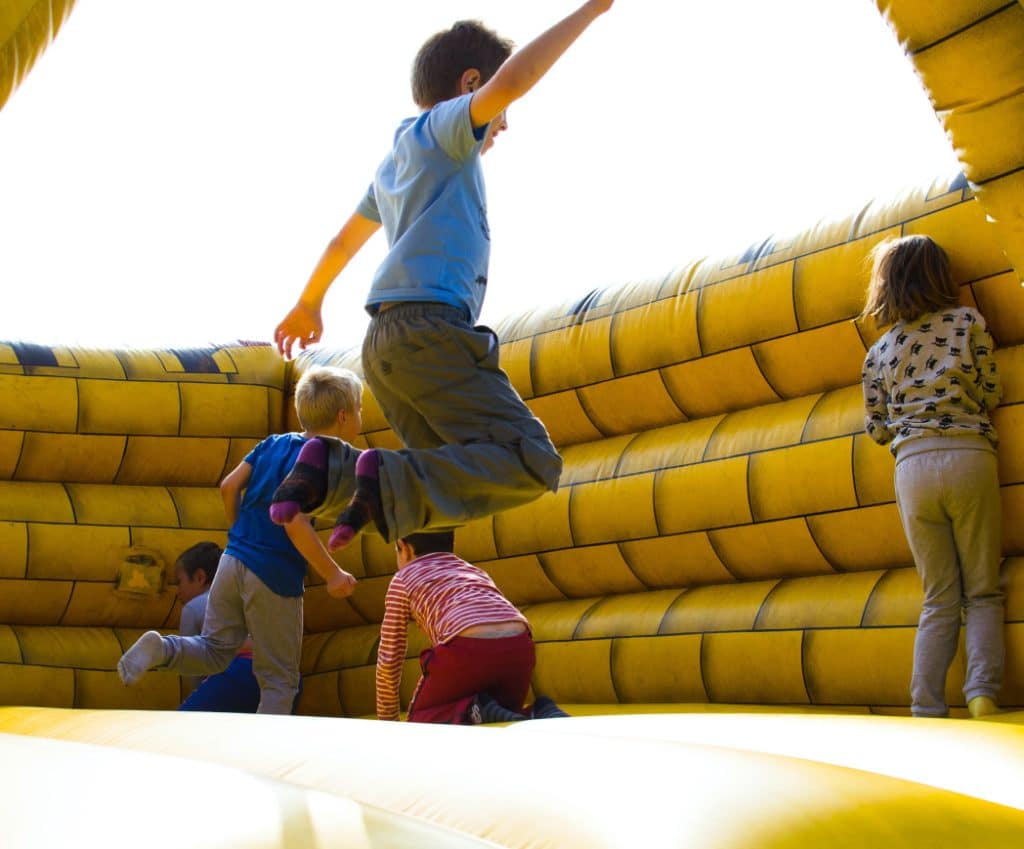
(259,582)
(472,446)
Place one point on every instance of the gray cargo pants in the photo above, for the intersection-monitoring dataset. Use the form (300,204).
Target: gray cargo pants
(473,447)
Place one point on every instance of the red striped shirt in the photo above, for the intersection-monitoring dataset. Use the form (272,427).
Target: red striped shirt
(444,595)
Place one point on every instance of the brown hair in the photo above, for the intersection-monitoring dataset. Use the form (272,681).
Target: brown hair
(202,555)
(431,543)
(447,55)
(910,276)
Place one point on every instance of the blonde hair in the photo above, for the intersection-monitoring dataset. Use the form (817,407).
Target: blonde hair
(910,276)
(324,391)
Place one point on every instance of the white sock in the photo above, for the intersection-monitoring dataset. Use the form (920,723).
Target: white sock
(148,651)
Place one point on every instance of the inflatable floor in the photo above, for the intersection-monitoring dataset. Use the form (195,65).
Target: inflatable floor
(721,591)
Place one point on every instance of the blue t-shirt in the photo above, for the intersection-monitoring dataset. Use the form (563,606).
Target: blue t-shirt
(254,539)
(429,195)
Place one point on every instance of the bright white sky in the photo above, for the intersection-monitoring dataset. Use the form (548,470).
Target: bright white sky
(171,170)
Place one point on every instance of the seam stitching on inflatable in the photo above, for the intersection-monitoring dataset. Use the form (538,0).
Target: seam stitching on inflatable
(811,412)
(764,601)
(584,617)
(821,551)
(366,619)
(1001,176)
(760,368)
(709,534)
(702,660)
(120,462)
(174,503)
(748,471)
(804,639)
(587,408)
(668,610)
(867,602)
(964,28)
(544,569)
(629,565)
(612,649)
(67,603)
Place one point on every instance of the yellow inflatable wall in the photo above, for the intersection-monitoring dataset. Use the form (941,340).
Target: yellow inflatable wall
(721,589)
(26,29)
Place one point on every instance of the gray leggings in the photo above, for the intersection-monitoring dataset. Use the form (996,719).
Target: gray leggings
(949,503)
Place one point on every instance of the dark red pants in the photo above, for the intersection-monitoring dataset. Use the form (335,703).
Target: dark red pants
(457,670)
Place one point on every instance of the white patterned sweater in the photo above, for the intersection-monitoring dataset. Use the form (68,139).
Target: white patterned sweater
(935,376)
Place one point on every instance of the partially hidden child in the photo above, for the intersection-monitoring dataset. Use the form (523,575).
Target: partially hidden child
(235,690)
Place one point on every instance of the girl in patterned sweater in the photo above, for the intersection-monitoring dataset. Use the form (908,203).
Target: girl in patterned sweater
(930,383)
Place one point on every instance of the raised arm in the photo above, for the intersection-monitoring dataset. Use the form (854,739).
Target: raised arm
(303,324)
(526,66)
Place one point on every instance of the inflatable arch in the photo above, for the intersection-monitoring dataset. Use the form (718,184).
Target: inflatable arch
(721,591)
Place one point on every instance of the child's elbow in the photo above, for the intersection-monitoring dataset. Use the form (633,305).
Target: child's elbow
(510,87)
(230,492)
(503,89)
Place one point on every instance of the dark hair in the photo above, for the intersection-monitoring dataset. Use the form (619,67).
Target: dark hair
(909,277)
(448,54)
(202,555)
(423,543)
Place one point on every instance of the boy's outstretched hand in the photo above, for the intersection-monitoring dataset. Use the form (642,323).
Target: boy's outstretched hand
(302,325)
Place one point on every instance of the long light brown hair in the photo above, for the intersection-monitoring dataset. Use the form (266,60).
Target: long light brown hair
(910,276)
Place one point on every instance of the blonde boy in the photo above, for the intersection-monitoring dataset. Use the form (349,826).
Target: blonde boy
(259,582)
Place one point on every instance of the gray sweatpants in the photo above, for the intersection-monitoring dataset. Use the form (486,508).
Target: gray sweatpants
(241,605)
(473,447)
(948,498)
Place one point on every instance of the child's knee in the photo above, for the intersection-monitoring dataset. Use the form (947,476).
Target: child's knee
(542,461)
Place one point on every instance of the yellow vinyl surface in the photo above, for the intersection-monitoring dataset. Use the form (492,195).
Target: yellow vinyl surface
(721,587)
(723,780)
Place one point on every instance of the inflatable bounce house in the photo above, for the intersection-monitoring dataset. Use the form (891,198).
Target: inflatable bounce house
(721,590)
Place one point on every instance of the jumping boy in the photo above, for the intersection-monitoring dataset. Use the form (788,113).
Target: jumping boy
(481,658)
(472,446)
(258,586)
